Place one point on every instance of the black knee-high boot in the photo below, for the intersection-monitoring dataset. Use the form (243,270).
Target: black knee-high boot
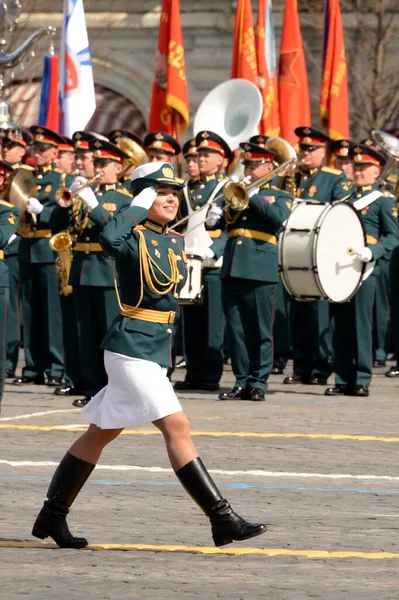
(68,479)
(226,524)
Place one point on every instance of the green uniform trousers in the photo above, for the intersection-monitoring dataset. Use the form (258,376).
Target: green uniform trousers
(281,328)
(352,338)
(381,312)
(96,308)
(311,338)
(203,332)
(4,294)
(248,307)
(41,309)
(394,287)
(14,313)
(70,335)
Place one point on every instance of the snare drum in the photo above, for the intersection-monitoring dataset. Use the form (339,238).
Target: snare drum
(317,252)
(192,291)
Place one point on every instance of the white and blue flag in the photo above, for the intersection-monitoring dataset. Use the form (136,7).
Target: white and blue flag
(77,97)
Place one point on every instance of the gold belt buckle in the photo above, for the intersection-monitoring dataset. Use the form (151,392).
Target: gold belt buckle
(87,247)
(172,315)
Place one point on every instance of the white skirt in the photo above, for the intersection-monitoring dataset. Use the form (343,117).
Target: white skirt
(138,392)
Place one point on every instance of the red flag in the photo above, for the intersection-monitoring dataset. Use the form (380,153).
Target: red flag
(293,91)
(244,53)
(334,87)
(266,61)
(169,104)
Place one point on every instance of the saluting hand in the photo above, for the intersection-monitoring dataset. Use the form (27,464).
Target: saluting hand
(145,198)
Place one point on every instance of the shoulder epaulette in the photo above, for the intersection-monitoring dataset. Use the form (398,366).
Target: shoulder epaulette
(331,170)
(26,167)
(274,187)
(57,170)
(5,203)
(139,228)
(124,191)
(174,232)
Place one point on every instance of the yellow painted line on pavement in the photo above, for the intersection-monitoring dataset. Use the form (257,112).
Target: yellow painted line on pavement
(211,550)
(242,434)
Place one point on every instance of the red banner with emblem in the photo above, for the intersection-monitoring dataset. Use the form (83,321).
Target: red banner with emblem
(267,74)
(334,86)
(169,104)
(244,53)
(293,90)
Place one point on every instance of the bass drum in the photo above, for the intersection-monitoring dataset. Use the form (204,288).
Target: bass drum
(316,252)
(192,290)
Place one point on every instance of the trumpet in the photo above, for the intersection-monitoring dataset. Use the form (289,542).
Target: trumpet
(65,196)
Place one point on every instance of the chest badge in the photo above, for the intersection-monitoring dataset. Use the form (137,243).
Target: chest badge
(154,242)
(312,190)
(157,253)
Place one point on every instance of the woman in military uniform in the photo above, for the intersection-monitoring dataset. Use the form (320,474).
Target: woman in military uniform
(150,262)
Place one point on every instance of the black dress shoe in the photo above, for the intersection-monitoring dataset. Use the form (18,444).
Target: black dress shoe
(256,394)
(68,390)
(277,371)
(393,372)
(24,380)
(317,381)
(295,378)
(181,364)
(377,364)
(237,393)
(210,386)
(81,402)
(339,389)
(188,385)
(54,381)
(358,390)
(10,374)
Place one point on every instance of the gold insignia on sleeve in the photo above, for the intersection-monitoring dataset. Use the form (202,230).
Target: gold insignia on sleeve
(394,212)
(11,219)
(345,185)
(288,204)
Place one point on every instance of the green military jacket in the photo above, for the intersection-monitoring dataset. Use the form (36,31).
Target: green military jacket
(322,184)
(37,250)
(248,257)
(380,220)
(200,193)
(122,239)
(8,226)
(91,266)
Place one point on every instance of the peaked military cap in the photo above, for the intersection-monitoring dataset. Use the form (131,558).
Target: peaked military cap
(66,146)
(18,136)
(104,150)
(209,140)
(42,136)
(154,174)
(190,148)
(365,155)
(5,168)
(81,140)
(341,148)
(309,136)
(116,134)
(254,153)
(259,139)
(159,140)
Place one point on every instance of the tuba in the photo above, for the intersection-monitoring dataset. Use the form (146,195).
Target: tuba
(137,154)
(388,145)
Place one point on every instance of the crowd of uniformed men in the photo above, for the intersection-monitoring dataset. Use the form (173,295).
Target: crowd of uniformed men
(245,314)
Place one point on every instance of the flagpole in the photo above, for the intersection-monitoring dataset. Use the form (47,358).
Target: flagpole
(179,157)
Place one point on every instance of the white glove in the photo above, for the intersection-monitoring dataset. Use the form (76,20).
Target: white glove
(34,206)
(365,254)
(213,216)
(205,253)
(145,198)
(78,182)
(252,192)
(89,198)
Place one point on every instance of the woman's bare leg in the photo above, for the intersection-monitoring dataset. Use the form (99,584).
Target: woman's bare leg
(179,444)
(90,445)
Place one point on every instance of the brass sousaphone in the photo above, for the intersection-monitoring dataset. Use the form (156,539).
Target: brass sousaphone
(19,187)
